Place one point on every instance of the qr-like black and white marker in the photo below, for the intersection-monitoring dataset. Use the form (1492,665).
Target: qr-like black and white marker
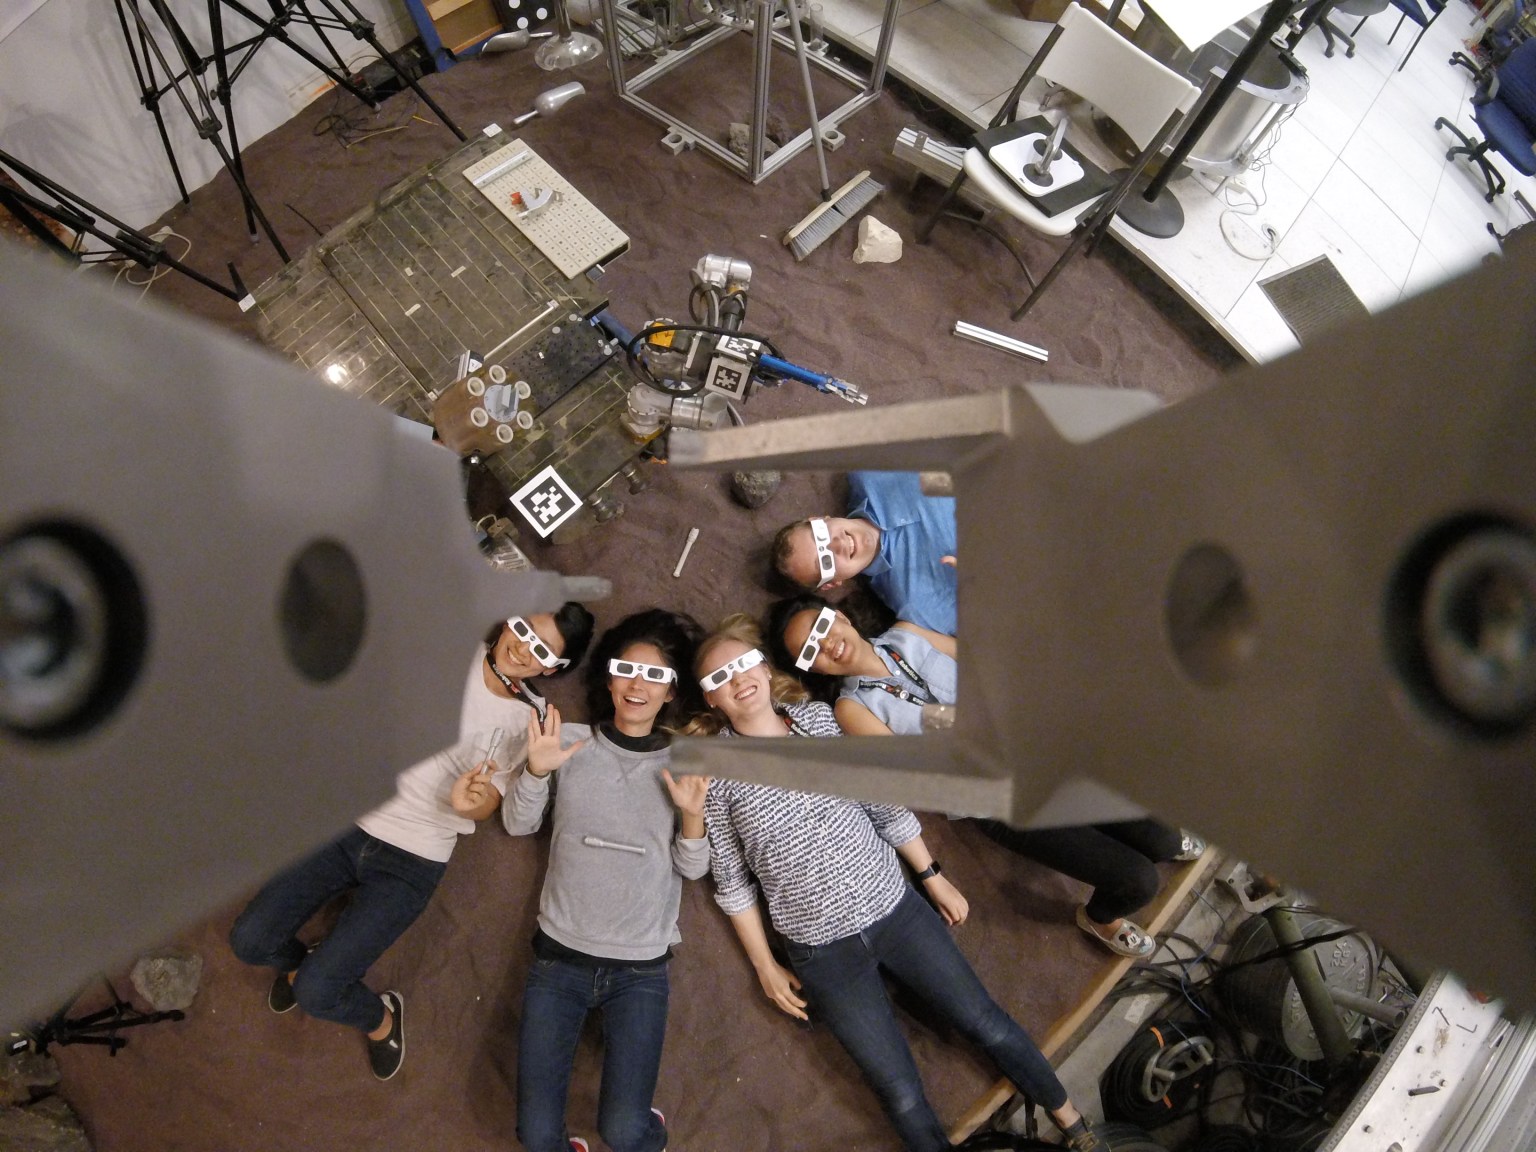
(546,501)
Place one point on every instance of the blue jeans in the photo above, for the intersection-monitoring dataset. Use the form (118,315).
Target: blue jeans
(555,1005)
(390,888)
(842,981)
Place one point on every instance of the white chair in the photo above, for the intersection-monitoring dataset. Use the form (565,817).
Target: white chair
(1144,97)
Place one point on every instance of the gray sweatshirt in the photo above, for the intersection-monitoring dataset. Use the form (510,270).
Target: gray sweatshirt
(601,896)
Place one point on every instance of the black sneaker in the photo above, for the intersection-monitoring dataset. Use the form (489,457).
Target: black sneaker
(280,997)
(388,1054)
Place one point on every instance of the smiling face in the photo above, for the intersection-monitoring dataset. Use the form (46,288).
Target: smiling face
(853,543)
(839,647)
(511,655)
(746,694)
(638,701)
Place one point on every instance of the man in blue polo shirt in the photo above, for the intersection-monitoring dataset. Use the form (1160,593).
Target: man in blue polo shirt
(903,541)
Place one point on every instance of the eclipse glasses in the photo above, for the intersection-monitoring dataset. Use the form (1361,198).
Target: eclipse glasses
(722,675)
(541,651)
(812,647)
(826,566)
(629,669)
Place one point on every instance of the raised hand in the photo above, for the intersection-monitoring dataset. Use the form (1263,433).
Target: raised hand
(473,790)
(544,751)
(687,793)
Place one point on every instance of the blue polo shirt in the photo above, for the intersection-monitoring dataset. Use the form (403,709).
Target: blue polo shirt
(916,531)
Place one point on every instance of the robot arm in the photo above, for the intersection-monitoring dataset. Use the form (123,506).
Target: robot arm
(696,375)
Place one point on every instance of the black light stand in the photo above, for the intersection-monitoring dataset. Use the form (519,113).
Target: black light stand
(95,1028)
(82,216)
(1146,209)
(145,51)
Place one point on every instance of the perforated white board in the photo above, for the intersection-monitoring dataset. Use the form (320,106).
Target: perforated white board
(572,233)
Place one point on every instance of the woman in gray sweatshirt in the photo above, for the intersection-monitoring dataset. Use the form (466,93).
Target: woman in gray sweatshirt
(626,834)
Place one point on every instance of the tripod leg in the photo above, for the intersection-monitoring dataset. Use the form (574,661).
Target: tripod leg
(221,70)
(318,29)
(149,90)
(203,118)
(19,209)
(250,199)
(363,30)
(277,30)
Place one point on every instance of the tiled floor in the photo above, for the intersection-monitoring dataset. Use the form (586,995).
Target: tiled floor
(1357,174)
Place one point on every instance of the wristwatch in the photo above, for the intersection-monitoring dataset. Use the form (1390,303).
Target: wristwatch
(929,872)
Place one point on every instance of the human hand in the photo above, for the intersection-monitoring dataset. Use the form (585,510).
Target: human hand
(950,560)
(473,789)
(544,751)
(688,792)
(780,985)
(947,899)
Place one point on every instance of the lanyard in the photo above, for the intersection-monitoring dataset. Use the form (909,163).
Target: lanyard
(924,694)
(537,703)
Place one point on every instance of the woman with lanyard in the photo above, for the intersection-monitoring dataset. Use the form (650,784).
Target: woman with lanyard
(393,858)
(830,872)
(520,649)
(625,836)
(885,681)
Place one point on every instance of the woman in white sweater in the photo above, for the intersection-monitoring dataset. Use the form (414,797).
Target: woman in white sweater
(392,860)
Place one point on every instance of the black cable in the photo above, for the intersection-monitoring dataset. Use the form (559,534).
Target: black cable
(999,237)
(359,124)
(304,218)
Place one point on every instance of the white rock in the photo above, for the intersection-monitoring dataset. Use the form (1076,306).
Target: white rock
(877,243)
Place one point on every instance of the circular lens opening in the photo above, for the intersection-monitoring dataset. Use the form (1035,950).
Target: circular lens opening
(322,611)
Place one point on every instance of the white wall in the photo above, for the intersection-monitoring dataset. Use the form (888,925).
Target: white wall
(69,100)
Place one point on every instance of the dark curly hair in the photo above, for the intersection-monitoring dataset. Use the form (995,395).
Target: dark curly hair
(572,621)
(675,634)
(819,686)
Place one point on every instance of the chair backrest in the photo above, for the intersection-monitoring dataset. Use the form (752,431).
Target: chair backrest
(1097,63)
(1517,84)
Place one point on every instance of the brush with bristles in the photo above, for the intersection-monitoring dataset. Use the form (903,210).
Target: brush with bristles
(836,208)
(826,218)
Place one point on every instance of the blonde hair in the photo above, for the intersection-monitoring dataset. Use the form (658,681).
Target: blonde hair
(782,687)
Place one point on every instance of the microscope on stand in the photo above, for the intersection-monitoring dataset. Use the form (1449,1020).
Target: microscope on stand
(697,375)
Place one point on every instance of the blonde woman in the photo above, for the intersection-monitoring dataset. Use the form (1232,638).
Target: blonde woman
(830,872)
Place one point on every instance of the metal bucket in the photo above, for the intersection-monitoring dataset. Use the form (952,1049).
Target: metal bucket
(1273,83)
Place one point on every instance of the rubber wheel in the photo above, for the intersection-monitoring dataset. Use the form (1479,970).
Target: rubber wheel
(1123,1137)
